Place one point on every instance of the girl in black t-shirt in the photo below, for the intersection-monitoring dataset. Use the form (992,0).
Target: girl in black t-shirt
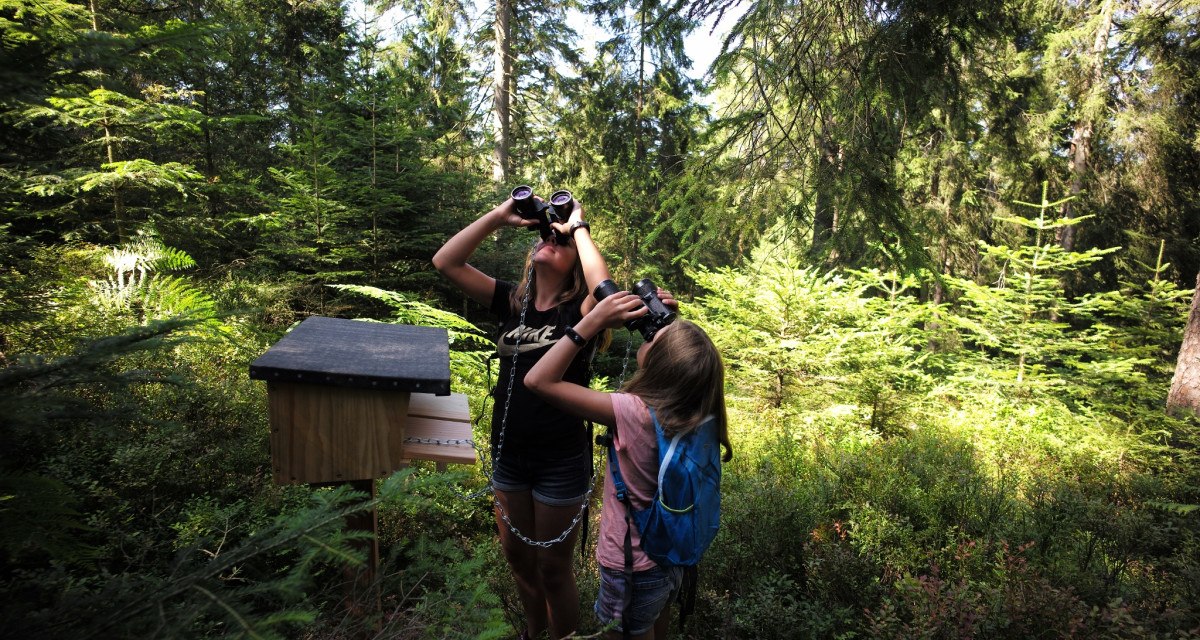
(542,467)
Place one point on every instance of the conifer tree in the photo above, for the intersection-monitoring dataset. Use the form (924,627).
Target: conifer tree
(107,176)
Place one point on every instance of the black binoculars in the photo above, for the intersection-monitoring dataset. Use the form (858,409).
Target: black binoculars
(659,315)
(559,209)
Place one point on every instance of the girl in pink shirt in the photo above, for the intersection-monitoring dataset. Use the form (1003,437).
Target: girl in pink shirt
(681,376)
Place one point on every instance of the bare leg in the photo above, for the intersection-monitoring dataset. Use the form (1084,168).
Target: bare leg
(555,562)
(522,558)
(662,625)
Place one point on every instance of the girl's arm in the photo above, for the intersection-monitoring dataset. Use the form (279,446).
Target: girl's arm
(451,259)
(595,270)
(545,378)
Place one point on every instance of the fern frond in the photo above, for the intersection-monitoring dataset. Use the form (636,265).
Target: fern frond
(233,614)
(38,512)
(166,295)
(408,310)
(136,284)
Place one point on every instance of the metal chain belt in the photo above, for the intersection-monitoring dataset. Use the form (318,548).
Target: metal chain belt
(546,544)
(625,364)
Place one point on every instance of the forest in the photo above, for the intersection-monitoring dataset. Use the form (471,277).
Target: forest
(946,249)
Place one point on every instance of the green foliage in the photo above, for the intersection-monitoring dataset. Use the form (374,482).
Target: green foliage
(973,446)
(801,334)
(1026,316)
(136,283)
(453,602)
(843,504)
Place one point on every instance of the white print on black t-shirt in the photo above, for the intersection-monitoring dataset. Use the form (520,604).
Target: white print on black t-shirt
(530,339)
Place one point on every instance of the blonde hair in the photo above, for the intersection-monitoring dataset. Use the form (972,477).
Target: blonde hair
(683,379)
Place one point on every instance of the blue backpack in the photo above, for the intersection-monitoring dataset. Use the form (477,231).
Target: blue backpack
(683,519)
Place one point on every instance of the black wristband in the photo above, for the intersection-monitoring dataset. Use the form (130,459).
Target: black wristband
(574,336)
(577,225)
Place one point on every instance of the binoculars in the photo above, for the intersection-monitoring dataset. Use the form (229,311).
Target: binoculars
(659,315)
(559,209)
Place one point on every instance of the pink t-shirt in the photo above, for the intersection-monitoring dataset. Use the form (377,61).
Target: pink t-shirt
(637,453)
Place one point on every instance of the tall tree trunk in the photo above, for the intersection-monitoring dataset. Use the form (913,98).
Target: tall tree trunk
(1081,137)
(1184,396)
(374,183)
(316,193)
(639,144)
(118,197)
(502,91)
(825,214)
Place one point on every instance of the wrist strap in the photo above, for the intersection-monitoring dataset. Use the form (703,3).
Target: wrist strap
(574,336)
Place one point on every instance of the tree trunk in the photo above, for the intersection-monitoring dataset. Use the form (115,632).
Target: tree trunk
(502,91)
(1081,137)
(825,214)
(1185,386)
(374,183)
(639,147)
(118,197)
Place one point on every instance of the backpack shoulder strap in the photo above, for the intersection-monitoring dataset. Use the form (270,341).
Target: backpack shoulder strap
(614,467)
(664,457)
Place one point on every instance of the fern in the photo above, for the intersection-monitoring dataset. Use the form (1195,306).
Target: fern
(261,603)
(38,514)
(408,310)
(137,284)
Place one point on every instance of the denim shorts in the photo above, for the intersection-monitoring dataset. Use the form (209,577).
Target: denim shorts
(558,482)
(653,590)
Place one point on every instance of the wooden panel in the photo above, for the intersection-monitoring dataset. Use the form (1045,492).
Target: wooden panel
(330,434)
(437,429)
(453,407)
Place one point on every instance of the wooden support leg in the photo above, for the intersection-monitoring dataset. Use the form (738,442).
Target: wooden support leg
(367,521)
(362,596)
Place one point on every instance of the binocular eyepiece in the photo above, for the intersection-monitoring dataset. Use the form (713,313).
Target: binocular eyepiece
(655,320)
(559,209)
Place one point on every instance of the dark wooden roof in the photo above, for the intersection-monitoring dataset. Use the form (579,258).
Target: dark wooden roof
(355,353)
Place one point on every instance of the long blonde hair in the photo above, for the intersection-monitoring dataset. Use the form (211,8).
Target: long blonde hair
(683,379)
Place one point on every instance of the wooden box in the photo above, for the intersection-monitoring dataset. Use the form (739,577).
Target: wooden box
(339,400)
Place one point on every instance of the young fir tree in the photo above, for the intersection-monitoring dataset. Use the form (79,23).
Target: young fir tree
(1025,318)
(628,136)
(107,177)
(426,145)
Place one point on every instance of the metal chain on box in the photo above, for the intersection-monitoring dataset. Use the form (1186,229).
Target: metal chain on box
(453,442)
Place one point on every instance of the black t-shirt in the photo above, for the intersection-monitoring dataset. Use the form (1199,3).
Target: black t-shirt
(534,425)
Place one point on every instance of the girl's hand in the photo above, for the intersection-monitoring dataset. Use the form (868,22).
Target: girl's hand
(506,215)
(565,227)
(668,299)
(617,309)
(576,213)
(562,227)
